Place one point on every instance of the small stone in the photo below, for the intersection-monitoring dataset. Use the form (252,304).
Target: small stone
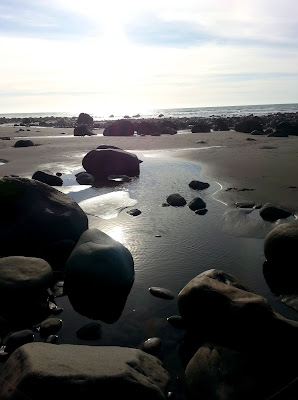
(152,346)
(176,200)
(176,321)
(134,212)
(161,293)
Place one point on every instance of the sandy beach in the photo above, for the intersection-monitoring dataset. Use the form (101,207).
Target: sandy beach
(268,165)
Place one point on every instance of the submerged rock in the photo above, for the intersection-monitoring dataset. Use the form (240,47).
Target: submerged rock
(48,371)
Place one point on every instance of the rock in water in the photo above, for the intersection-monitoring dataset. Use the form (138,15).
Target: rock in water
(272,213)
(198,185)
(34,215)
(176,200)
(161,292)
(99,276)
(101,163)
(47,371)
(48,178)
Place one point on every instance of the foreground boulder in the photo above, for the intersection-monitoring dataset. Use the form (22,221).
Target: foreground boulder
(23,284)
(120,128)
(35,217)
(280,247)
(104,162)
(223,310)
(99,276)
(47,371)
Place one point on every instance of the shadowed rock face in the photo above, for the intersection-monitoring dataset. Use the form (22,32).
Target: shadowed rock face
(48,371)
(102,163)
(84,118)
(34,216)
(99,276)
(120,128)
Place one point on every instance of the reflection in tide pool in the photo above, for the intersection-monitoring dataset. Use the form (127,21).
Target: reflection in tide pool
(107,205)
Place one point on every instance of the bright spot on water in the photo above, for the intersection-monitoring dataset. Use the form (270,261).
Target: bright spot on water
(116,232)
(107,205)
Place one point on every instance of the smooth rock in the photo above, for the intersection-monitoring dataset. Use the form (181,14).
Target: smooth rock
(152,346)
(47,371)
(48,178)
(24,143)
(270,212)
(198,185)
(197,204)
(161,293)
(50,326)
(176,200)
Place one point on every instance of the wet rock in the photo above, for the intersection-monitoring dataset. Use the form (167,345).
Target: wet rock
(197,204)
(105,162)
(161,293)
(201,211)
(280,246)
(152,346)
(24,143)
(23,284)
(119,128)
(91,331)
(248,125)
(176,321)
(50,326)
(220,309)
(29,231)
(17,339)
(99,276)
(147,128)
(220,124)
(113,372)
(134,212)
(198,185)
(200,128)
(176,200)
(270,212)
(84,178)
(83,130)
(48,178)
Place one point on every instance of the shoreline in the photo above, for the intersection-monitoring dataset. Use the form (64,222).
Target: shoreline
(268,164)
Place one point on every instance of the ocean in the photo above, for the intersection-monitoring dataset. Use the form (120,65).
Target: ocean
(225,111)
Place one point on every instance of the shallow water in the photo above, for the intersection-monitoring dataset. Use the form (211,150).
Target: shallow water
(170,246)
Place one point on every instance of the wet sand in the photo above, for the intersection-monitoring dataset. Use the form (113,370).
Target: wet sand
(268,165)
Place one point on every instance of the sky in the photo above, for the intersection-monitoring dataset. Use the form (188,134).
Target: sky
(111,55)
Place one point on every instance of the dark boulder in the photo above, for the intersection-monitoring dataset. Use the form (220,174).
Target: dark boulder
(176,200)
(198,185)
(24,143)
(83,130)
(84,118)
(247,125)
(200,128)
(34,215)
(48,178)
(220,124)
(119,128)
(287,128)
(102,163)
(83,178)
(197,204)
(270,212)
(147,128)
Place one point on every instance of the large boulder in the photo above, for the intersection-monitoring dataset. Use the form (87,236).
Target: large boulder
(200,127)
(120,128)
(147,128)
(248,124)
(280,247)
(23,284)
(102,269)
(47,371)
(24,143)
(270,212)
(104,162)
(83,130)
(222,310)
(35,217)
(84,118)
(220,124)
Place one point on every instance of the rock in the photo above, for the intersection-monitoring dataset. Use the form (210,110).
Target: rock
(120,128)
(270,212)
(24,143)
(198,185)
(17,339)
(134,212)
(23,285)
(106,146)
(99,276)
(280,247)
(220,309)
(50,326)
(201,211)
(51,339)
(161,293)
(220,125)
(48,178)
(30,231)
(176,200)
(84,118)
(152,346)
(40,370)
(105,162)
(197,204)
(84,178)
(83,130)
(176,321)
(200,127)
(287,128)
(248,125)
(91,331)
(147,128)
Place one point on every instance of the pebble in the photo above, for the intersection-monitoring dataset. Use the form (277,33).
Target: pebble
(162,293)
